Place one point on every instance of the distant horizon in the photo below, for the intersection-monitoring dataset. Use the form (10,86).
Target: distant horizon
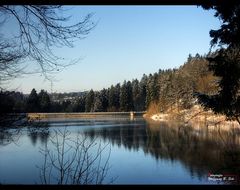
(128,41)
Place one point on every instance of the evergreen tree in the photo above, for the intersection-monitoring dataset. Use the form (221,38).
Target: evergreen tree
(166,92)
(111,99)
(143,93)
(89,105)
(130,106)
(98,104)
(225,64)
(67,106)
(6,103)
(117,97)
(80,104)
(104,99)
(33,102)
(124,97)
(152,89)
(136,95)
(44,101)
(155,87)
(19,102)
(56,107)
(114,98)
(148,90)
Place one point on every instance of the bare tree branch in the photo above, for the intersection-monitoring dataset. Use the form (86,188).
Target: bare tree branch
(38,30)
(73,162)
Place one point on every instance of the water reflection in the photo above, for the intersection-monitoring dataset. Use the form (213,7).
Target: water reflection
(8,136)
(38,132)
(201,152)
(197,152)
(70,159)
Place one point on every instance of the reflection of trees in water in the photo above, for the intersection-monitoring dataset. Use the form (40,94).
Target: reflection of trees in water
(38,131)
(8,120)
(73,160)
(10,127)
(200,151)
(8,136)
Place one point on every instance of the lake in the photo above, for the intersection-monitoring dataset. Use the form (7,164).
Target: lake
(117,151)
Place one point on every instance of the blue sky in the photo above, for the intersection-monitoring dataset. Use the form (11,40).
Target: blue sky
(128,42)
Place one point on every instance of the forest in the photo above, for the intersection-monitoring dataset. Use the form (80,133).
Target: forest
(155,92)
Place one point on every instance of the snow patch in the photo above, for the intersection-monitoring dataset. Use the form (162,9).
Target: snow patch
(159,117)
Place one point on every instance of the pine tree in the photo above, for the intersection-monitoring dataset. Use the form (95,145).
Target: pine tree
(67,106)
(155,87)
(130,106)
(117,97)
(104,99)
(89,105)
(44,101)
(111,99)
(152,89)
(225,64)
(148,90)
(80,105)
(136,95)
(123,96)
(143,93)
(33,102)
(6,103)
(98,104)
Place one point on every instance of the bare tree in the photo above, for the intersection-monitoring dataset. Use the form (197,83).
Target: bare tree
(9,62)
(38,29)
(71,161)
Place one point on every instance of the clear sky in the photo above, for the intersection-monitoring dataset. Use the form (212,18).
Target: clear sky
(128,42)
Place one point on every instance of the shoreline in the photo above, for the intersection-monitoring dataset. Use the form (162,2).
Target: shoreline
(195,117)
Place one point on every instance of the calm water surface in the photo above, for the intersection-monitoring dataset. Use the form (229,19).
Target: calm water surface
(140,152)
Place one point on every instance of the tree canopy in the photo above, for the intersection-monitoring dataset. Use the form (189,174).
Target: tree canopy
(225,62)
